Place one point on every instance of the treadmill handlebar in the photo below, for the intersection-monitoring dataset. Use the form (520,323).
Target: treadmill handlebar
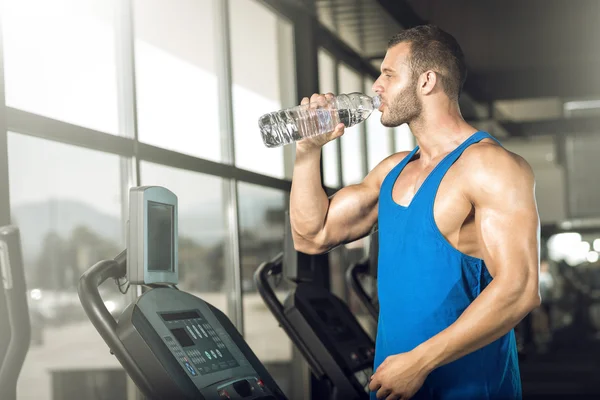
(352,277)
(103,321)
(261,279)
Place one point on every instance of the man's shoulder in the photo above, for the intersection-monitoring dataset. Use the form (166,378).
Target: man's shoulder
(489,157)
(391,161)
(489,165)
(381,170)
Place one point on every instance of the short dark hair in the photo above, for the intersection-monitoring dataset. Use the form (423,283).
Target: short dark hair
(432,48)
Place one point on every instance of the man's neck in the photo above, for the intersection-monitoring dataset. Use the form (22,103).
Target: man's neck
(439,132)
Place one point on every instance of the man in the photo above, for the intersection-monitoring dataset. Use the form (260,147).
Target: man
(458,232)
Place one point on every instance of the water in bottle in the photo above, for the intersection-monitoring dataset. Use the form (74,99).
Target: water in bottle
(296,123)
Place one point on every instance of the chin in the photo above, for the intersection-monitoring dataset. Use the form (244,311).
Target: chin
(390,124)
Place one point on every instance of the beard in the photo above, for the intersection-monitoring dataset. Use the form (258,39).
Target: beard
(404,108)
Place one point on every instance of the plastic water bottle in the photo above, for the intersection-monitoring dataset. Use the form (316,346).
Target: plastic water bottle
(286,126)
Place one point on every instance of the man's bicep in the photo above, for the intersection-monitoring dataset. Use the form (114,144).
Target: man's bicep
(507,219)
(353,210)
(351,215)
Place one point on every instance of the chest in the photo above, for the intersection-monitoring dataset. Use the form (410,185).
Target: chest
(453,213)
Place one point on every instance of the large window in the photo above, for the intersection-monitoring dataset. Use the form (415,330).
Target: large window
(379,144)
(89,64)
(262,67)
(262,213)
(202,230)
(67,203)
(177,92)
(352,149)
(59,60)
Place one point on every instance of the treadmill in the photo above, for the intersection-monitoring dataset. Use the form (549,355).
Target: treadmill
(172,344)
(15,327)
(337,349)
(366,268)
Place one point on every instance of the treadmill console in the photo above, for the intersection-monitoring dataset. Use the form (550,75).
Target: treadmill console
(198,342)
(186,348)
(195,345)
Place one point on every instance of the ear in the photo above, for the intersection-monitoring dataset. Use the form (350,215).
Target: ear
(427,82)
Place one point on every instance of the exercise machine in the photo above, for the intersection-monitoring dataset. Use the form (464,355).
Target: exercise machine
(337,349)
(172,344)
(363,271)
(15,327)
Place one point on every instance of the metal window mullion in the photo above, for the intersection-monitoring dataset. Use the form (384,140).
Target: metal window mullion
(128,123)
(365,131)
(35,125)
(392,140)
(336,84)
(230,192)
(31,124)
(569,166)
(129,166)
(287,85)
(126,97)
(8,391)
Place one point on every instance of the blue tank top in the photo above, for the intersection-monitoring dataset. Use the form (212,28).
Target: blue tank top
(425,284)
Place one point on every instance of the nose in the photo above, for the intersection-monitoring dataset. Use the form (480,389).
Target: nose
(377,88)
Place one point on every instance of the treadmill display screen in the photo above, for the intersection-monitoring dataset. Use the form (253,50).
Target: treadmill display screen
(182,337)
(160,237)
(201,343)
(180,315)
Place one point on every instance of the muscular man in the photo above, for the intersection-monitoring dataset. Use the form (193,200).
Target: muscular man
(458,231)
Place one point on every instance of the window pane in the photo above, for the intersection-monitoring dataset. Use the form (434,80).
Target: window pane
(326,72)
(202,230)
(378,137)
(60,60)
(405,140)
(259,38)
(262,213)
(66,201)
(331,157)
(176,82)
(352,160)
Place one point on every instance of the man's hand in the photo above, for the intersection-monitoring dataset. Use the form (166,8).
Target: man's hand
(399,377)
(322,101)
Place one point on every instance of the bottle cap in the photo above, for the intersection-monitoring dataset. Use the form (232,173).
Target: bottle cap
(376,102)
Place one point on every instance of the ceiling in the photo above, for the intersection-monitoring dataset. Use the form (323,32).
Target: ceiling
(525,58)
(364,25)
(521,48)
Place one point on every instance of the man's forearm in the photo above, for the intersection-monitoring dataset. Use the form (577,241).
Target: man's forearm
(308,200)
(492,314)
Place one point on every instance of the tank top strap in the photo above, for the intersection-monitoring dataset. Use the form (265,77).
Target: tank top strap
(388,182)
(432,183)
